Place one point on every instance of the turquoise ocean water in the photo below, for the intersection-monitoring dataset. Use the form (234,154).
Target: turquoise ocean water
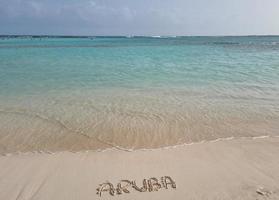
(135,92)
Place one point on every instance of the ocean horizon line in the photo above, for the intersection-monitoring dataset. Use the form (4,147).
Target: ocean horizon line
(123,36)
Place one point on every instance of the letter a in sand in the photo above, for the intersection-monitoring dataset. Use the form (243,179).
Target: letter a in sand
(106,187)
(166,180)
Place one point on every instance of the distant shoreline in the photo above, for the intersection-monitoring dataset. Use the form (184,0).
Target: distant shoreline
(124,36)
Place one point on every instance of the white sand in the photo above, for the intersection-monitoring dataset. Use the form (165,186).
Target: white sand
(233,169)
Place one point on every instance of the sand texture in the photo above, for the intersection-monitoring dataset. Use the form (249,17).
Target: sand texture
(228,169)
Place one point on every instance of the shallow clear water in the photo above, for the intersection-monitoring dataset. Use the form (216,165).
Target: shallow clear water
(139,92)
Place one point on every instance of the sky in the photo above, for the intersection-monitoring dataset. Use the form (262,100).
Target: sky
(139,17)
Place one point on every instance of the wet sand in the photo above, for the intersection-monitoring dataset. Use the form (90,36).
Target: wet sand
(129,121)
(225,169)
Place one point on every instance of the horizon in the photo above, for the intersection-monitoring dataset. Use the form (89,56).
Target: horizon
(127,36)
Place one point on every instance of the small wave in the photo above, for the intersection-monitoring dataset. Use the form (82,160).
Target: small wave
(56,122)
(117,148)
(226,43)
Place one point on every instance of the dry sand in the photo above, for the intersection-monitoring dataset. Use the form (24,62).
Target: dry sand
(228,169)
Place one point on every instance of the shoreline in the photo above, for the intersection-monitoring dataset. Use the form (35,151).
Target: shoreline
(119,148)
(224,169)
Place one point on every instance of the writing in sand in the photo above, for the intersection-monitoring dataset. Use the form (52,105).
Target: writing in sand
(126,186)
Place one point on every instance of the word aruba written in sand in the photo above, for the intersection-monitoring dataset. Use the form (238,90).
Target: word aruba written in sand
(125,186)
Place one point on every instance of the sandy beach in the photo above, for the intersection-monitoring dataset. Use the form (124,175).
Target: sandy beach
(244,168)
(139,100)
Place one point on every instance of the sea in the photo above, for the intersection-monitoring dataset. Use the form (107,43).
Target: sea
(70,93)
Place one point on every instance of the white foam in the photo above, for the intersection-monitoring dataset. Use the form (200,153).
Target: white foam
(118,148)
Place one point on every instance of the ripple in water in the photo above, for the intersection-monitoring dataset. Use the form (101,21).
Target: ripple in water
(153,93)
